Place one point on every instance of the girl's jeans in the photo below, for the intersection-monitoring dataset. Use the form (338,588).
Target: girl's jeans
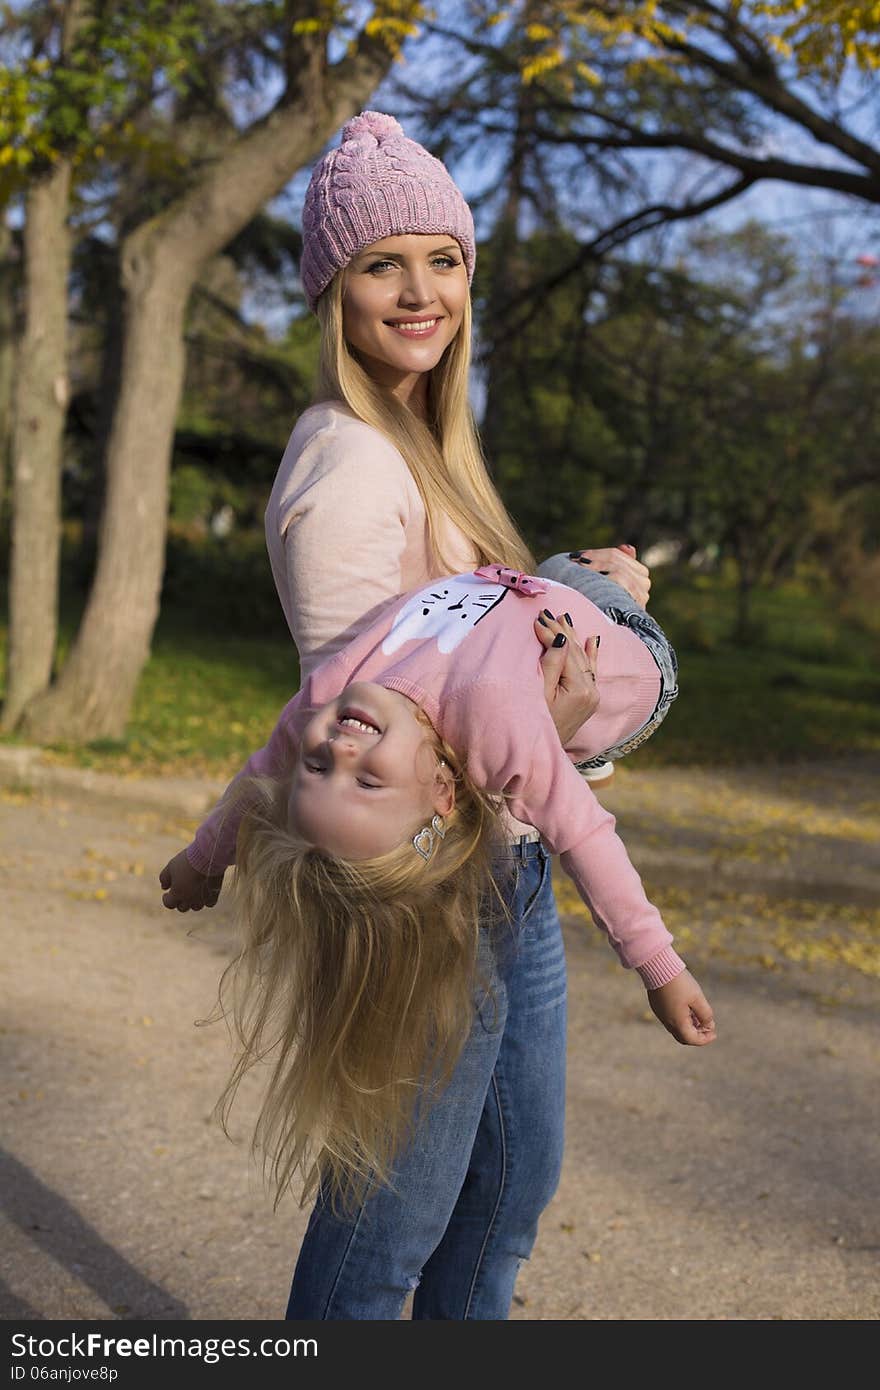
(617,604)
(463,1211)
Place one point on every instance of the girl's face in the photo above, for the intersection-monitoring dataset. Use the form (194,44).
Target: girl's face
(403,300)
(367,777)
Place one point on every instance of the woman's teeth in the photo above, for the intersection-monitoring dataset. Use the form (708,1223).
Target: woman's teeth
(416,327)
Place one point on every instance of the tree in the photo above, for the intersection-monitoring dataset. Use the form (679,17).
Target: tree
(8,335)
(718,400)
(729,95)
(744,92)
(81,69)
(40,399)
(160,259)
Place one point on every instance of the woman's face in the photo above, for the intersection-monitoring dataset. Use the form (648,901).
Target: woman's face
(403,300)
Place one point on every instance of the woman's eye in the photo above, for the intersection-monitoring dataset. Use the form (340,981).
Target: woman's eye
(371,786)
(438,262)
(313,767)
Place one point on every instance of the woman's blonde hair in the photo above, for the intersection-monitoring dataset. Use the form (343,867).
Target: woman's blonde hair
(356,983)
(443,456)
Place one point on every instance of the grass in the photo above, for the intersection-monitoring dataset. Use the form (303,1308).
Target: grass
(805,688)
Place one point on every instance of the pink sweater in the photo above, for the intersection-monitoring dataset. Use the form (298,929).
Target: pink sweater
(346,531)
(464,649)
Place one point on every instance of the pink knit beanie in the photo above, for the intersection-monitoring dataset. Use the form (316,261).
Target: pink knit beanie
(377,183)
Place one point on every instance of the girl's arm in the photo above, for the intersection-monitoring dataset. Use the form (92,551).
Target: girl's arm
(193,878)
(522,756)
(596,860)
(213,848)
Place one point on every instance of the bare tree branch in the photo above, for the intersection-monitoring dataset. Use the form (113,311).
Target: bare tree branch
(646,219)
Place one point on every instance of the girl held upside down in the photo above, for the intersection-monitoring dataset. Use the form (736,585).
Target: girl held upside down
(366,830)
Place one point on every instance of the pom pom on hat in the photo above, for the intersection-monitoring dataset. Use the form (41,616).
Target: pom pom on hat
(372,124)
(376,183)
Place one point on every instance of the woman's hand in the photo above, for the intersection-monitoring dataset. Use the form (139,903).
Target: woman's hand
(569,672)
(186,889)
(621,565)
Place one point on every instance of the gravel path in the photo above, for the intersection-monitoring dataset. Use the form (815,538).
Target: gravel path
(738,1181)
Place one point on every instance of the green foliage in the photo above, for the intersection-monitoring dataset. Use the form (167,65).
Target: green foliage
(121,56)
(192,495)
(807,688)
(559,41)
(720,402)
(221,584)
(391,21)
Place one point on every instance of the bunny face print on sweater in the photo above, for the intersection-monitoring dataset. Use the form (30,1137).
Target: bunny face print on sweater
(448,609)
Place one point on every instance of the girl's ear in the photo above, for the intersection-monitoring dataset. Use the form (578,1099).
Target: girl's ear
(444,789)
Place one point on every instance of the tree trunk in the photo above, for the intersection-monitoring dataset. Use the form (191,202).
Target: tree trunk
(504,287)
(742,630)
(40,401)
(109,386)
(160,263)
(8,282)
(93,696)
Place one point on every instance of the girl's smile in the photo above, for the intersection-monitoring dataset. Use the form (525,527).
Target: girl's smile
(356,719)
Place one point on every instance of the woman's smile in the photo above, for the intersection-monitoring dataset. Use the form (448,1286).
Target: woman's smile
(415,328)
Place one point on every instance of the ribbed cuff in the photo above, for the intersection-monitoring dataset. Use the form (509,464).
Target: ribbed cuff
(662,968)
(200,862)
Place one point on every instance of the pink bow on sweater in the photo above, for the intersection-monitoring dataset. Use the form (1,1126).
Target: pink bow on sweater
(511,579)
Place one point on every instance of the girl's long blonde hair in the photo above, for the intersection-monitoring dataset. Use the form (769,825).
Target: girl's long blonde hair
(443,456)
(356,984)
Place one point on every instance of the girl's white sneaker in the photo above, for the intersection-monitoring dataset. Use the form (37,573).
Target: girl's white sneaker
(598,776)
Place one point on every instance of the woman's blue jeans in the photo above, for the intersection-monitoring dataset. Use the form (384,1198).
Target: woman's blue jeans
(462,1212)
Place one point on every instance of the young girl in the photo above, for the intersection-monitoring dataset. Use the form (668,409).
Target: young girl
(382,488)
(363,861)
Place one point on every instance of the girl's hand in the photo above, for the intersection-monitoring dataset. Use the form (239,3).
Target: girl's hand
(569,672)
(621,565)
(684,1010)
(187,889)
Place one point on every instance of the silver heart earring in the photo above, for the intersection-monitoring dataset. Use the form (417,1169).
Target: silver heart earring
(423,843)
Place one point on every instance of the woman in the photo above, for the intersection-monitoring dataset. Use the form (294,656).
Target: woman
(383,487)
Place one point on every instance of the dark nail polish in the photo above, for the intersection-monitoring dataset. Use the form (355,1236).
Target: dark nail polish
(604,571)
(541,620)
(547,613)
(598,640)
(559,639)
(574,555)
(568,620)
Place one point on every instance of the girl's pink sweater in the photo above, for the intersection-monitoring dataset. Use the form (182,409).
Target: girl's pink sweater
(464,649)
